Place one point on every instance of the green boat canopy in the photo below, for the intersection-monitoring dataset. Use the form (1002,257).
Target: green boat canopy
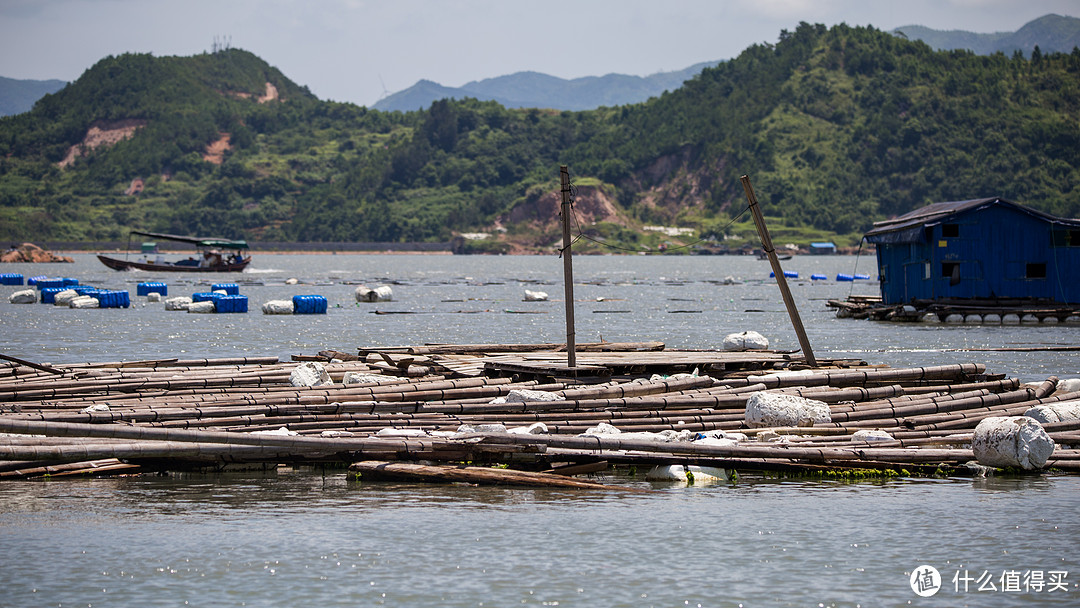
(209,242)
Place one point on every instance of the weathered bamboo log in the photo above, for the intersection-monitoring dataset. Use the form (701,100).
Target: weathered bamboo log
(106,465)
(400,471)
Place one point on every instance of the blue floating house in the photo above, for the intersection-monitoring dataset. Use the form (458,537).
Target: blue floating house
(825,248)
(986,248)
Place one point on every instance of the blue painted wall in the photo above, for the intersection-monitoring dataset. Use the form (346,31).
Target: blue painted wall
(997,251)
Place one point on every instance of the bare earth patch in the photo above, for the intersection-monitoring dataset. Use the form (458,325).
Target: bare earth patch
(102,133)
(215,152)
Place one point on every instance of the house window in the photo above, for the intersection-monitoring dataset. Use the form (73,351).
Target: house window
(1065,238)
(951,271)
(1036,271)
(950,231)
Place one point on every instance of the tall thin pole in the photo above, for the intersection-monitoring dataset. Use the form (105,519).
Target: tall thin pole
(781,280)
(568,268)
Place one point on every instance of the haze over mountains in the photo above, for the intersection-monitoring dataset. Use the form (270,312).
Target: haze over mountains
(18,96)
(1051,33)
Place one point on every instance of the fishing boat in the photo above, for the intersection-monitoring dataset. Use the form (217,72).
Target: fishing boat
(214,255)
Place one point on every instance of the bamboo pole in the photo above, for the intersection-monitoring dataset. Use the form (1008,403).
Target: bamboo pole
(767,245)
(568,268)
(398,471)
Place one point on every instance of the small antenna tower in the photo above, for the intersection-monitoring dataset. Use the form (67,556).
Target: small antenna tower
(384,91)
(221,44)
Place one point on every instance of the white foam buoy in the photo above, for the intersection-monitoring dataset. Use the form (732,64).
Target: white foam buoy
(1067,385)
(65,297)
(84,302)
(524,395)
(765,409)
(1063,411)
(310,373)
(1011,441)
(26,296)
(687,473)
(871,435)
(992,319)
(178,303)
(1010,319)
(381,293)
(204,307)
(535,296)
(277,307)
(954,319)
(747,340)
(362,378)
(536,428)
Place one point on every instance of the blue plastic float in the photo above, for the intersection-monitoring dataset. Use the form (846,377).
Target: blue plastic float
(149,287)
(231,303)
(309,305)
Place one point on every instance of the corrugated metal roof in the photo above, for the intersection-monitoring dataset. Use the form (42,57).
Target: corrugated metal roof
(908,228)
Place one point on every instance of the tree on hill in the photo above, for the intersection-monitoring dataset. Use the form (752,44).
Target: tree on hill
(837,126)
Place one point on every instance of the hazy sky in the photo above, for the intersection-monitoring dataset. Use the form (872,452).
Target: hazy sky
(359,50)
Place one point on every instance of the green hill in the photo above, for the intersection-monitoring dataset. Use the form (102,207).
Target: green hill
(837,127)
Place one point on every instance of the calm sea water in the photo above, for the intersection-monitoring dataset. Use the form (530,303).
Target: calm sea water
(313,538)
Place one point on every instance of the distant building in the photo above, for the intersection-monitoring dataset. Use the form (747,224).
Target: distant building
(985,248)
(822,248)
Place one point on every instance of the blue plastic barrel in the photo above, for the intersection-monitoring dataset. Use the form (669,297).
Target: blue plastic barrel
(844,277)
(149,287)
(791,274)
(69,282)
(818,277)
(863,277)
(309,305)
(49,282)
(109,298)
(231,303)
(83,290)
(34,280)
(48,294)
(231,289)
(204,296)
(11,278)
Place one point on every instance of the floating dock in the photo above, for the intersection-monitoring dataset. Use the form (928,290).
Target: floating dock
(517,406)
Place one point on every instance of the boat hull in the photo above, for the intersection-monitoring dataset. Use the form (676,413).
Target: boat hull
(117,264)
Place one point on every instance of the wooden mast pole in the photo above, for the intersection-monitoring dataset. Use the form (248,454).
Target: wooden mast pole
(781,280)
(568,268)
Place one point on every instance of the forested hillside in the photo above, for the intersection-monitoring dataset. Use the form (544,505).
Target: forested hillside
(837,127)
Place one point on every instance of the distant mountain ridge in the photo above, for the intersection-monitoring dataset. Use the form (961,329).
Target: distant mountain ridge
(536,90)
(18,96)
(1051,33)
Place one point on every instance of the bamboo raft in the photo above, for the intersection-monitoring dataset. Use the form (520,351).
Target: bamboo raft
(433,405)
